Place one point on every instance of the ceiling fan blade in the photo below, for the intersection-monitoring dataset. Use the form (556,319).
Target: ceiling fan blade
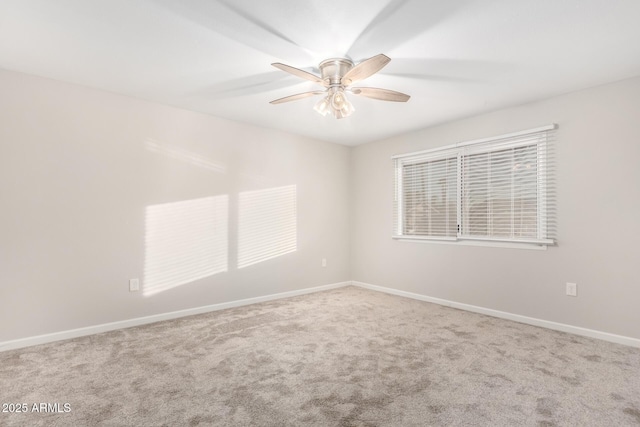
(298,72)
(381,94)
(296,97)
(365,69)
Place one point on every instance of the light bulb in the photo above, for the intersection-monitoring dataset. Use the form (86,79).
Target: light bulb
(337,100)
(347,108)
(322,106)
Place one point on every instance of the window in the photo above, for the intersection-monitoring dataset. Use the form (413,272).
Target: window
(496,189)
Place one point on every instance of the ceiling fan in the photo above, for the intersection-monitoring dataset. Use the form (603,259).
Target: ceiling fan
(337,76)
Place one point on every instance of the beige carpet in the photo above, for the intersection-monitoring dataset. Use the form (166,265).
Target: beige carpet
(345,357)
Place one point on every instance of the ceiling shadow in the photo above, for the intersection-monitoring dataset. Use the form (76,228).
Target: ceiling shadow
(229,20)
(431,77)
(398,22)
(447,70)
(249,85)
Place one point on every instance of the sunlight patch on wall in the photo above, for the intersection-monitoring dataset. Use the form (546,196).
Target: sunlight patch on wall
(184,241)
(267,225)
(184,156)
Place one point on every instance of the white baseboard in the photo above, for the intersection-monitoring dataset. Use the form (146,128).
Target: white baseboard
(91,330)
(619,339)
(105,327)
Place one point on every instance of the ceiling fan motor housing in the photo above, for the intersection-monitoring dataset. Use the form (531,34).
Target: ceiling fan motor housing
(333,69)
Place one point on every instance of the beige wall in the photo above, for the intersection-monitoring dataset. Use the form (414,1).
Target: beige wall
(598,147)
(80,172)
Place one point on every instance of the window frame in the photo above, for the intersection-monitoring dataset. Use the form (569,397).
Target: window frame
(544,237)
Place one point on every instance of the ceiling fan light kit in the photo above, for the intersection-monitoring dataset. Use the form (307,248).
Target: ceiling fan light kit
(337,74)
(336,103)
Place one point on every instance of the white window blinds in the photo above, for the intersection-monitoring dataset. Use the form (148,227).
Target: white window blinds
(495,189)
(430,197)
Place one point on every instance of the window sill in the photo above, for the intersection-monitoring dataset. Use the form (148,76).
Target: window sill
(484,243)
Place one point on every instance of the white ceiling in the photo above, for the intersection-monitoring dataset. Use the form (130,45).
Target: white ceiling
(456,58)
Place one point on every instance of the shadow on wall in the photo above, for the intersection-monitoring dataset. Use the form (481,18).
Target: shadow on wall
(188,240)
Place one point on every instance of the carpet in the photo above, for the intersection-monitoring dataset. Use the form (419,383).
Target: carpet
(344,357)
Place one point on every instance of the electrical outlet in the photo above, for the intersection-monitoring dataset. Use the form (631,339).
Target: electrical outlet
(134,285)
(324,262)
(572,289)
